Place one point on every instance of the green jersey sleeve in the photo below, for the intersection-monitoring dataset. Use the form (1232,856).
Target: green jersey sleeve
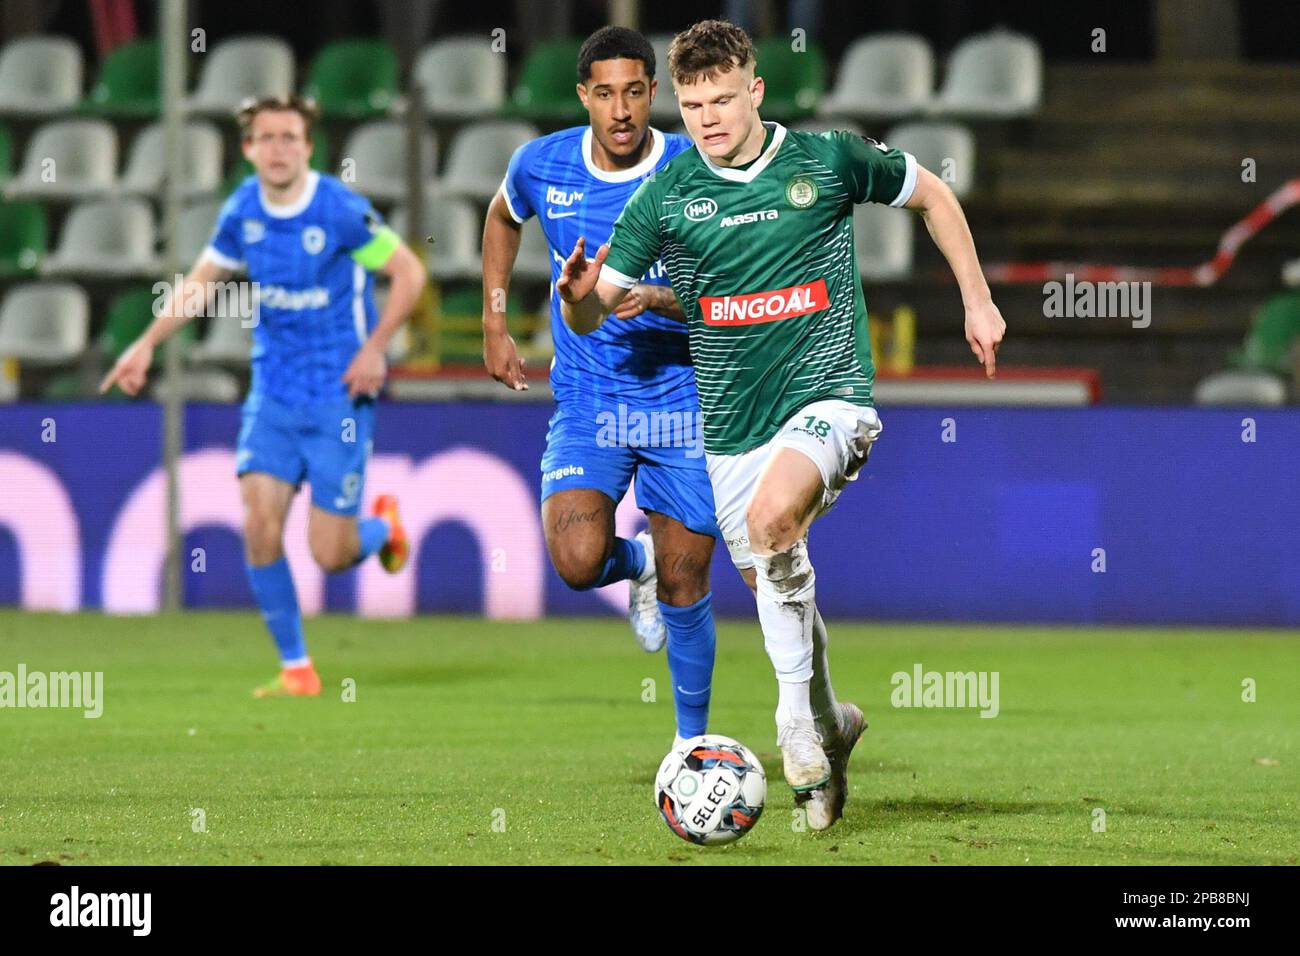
(871,171)
(636,241)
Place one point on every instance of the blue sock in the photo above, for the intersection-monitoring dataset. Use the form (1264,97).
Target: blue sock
(275,594)
(373,532)
(692,642)
(627,561)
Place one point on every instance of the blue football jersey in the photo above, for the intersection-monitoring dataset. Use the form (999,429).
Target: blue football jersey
(644,361)
(316,302)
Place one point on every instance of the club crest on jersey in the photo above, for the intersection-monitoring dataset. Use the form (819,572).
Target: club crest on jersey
(313,239)
(698,210)
(801,192)
(755,307)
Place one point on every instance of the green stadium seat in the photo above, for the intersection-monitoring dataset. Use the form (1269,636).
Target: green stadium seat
(354,79)
(128,84)
(24,237)
(6,155)
(461,339)
(795,81)
(129,314)
(1272,335)
(546,83)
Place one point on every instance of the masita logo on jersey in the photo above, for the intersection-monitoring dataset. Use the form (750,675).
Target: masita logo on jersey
(745,218)
(755,307)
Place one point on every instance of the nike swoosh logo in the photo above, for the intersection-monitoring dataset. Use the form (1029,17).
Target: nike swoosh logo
(552,214)
(693,693)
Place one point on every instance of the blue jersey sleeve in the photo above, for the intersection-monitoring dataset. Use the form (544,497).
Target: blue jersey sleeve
(357,221)
(226,247)
(515,186)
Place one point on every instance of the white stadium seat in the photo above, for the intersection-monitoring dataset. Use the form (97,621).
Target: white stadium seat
(462,78)
(238,68)
(882,238)
(455,226)
(996,75)
(44,323)
(68,160)
(106,238)
(200,154)
(39,76)
(886,75)
(377,154)
(194,228)
(478,157)
(946,149)
(1241,388)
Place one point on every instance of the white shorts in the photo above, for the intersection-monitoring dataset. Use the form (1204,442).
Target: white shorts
(835,435)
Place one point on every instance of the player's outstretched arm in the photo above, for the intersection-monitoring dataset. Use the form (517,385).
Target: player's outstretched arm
(366,372)
(501,237)
(947,225)
(586,299)
(132,367)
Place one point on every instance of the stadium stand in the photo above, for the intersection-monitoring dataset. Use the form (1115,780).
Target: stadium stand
(68,160)
(461,78)
(240,68)
(106,239)
(885,76)
(39,76)
(128,84)
(354,79)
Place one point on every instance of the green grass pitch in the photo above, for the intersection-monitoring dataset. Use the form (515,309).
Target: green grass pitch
(481,742)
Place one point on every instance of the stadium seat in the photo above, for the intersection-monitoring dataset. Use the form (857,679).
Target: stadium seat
(461,336)
(202,385)
(239,68)
(1274,333)
(201,150)
(478,157)
(663,111)
(129,314)
(107,238)
(882,238)
(39,76)
(795,80)
(6,155)
(455,226)
(227,342)
(24,237)
(354,79)
(946,149)
(534,259)
(826,125)
(129,82)
(886,76)
(996,75)
(462,78)
(68,159)
(545,91)
(44,323)
(194,229)
(377,152)
(1241,387)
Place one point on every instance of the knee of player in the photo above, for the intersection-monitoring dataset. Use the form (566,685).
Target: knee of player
(332,558)
(771,528)
(580,569)
(682,589)
(263,539)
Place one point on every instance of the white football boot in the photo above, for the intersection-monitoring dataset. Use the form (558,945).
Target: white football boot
(643,602)
(806,765)
(826,805)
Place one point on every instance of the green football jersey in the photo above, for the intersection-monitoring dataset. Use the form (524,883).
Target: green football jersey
(763,263)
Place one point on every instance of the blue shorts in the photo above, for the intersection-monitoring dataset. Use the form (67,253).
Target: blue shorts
(600,450)
(327,443)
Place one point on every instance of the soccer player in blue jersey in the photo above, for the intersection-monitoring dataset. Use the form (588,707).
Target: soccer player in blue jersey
(625,395)
(311,245)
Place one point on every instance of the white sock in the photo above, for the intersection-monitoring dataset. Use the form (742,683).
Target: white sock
(822,695)
(786,588)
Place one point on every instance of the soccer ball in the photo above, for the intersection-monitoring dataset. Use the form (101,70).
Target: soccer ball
(710,790)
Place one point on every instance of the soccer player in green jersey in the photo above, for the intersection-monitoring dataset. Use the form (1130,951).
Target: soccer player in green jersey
(755,227)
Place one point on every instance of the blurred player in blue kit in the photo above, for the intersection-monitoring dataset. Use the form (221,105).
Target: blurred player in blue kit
(311,245)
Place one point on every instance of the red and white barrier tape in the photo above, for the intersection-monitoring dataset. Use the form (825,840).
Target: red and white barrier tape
(1208,273)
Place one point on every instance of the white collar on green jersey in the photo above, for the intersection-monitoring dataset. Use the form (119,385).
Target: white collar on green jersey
(760,164)
(295,207)
(643,168)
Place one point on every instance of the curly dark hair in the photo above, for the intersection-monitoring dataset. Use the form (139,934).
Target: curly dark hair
(708,48)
